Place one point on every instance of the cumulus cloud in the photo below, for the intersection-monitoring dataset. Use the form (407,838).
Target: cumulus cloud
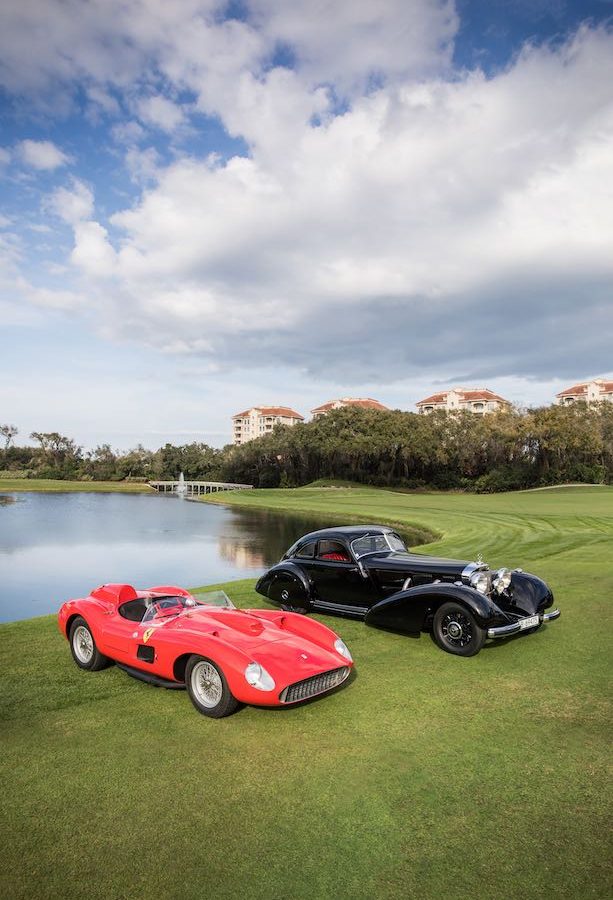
(161,113)
(49,46)
(459,225)
(43,155)
(390,211)
(72,204)
(142,164)
(92,251)
(345,43)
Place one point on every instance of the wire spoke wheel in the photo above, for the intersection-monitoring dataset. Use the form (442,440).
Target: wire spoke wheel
(208,689)
(206,684)
(83,644)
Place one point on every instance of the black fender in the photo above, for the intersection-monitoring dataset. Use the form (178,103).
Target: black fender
(286,584)
(411,610)
(527,595)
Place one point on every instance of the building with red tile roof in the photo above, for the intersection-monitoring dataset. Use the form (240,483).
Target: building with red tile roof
(589,391)
(260,420)
(476,400)
(360,402)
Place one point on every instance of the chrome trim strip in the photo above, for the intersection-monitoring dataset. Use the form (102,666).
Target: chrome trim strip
(514,627)
(503,630)
(326,606)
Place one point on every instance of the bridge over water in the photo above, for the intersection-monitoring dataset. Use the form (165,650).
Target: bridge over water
(197,487)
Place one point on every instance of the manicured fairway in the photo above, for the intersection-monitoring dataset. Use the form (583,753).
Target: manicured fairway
(426,776)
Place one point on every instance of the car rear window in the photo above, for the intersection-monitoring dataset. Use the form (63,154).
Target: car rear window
(307,551)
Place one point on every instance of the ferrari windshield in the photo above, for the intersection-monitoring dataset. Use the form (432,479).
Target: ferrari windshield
(163,607)
(382,542)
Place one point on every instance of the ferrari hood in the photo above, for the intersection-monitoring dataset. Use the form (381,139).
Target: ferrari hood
(235,626)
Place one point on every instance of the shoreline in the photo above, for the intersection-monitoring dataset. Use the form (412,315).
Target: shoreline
(56,485)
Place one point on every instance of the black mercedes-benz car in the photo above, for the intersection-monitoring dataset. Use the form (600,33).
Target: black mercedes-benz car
(366,572)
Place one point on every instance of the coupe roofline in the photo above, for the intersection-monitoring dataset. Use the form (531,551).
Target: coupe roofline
(345,531)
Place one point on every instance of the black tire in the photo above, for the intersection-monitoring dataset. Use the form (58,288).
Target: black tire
(289,593)
(455,630)
(201,671)
(83,647)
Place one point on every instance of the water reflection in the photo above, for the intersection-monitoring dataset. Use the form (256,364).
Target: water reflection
(258,539)
(55,546)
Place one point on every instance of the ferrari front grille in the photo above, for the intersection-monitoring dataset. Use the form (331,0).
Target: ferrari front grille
(317,684)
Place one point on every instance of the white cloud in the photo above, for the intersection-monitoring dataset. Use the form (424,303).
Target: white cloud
(48,46)
(102,100)
(161,113)
(92,252)
(424,213)
(72,204)
(128,133)
(142,164)
(439,206)
(5,156)
(346,42)
(59,300)
(43,155)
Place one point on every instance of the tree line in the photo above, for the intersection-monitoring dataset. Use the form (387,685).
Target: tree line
(506,450)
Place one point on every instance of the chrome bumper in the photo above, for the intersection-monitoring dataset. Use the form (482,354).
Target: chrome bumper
(515,627)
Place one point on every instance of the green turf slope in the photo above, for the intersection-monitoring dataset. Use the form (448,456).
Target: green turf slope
(426,776)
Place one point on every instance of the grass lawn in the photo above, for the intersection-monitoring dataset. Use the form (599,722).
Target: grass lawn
(426,776)
(50,484)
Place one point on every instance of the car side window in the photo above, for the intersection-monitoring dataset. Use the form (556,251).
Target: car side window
(307,551)
(334,551)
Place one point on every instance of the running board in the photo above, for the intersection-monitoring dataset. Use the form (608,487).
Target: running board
(340,609)
(151,679)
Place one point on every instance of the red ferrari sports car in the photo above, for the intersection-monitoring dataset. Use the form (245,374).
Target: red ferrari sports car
(224,656)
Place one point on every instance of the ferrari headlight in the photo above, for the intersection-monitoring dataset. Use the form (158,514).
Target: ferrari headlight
(480,581)
(257,676)
(342,648)
(502,580)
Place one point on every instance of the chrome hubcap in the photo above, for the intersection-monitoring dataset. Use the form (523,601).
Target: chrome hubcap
(206,684)
(83,644)
(454,630)
(457,629)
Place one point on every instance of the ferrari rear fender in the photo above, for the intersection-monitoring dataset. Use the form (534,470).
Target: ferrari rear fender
(91,609)
(170,590)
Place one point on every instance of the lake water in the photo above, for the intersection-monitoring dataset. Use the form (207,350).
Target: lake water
(56,546)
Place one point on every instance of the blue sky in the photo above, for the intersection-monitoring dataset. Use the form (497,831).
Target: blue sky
(206,206)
